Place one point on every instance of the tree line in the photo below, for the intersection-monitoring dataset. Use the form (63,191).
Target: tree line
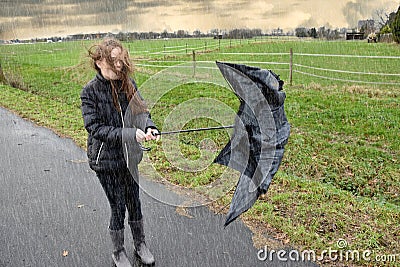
(387,24)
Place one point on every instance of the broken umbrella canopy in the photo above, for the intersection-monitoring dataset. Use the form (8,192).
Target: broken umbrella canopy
(261,131)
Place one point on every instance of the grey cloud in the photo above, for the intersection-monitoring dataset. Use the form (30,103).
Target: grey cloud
(152,4)
(62,7)
(11,9)
(277,13)
(353,11)
(99,6)
(238,5)
(226,15)
(310,23)
(144,15)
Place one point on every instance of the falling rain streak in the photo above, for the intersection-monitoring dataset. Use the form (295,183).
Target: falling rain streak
(46,18)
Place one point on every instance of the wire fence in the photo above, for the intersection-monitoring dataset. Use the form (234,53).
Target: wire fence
(288,62)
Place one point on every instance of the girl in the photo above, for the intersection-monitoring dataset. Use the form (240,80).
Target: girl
(116,119)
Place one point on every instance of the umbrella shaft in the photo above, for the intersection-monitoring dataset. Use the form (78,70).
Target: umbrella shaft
(197,130)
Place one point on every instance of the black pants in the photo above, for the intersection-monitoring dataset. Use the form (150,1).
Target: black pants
(122,193)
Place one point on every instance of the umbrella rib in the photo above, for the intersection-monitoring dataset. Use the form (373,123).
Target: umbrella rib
(196,130)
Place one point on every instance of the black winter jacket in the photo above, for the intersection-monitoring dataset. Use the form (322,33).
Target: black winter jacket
(109,134)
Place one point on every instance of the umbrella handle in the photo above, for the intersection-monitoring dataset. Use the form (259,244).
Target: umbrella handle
(143,148)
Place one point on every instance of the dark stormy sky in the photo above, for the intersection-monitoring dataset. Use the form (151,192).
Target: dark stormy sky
(45,18)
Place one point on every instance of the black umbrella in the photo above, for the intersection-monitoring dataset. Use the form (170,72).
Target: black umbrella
(260,129)
(260,133)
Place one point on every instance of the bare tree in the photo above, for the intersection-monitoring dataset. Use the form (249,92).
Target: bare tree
(382,17)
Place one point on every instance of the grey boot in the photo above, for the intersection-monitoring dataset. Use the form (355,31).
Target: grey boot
(139,241)
(119,255)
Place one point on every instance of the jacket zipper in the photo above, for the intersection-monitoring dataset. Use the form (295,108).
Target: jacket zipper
(123,126)
(98,154)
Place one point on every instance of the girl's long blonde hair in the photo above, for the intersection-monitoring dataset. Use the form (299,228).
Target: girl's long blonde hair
(103,51)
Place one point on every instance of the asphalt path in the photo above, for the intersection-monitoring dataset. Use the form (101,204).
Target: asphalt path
(54,212)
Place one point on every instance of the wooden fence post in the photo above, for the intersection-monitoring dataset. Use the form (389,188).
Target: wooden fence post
(194,63)
(291,67)
(3,79)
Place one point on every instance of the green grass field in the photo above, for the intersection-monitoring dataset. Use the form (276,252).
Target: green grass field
(340,175)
